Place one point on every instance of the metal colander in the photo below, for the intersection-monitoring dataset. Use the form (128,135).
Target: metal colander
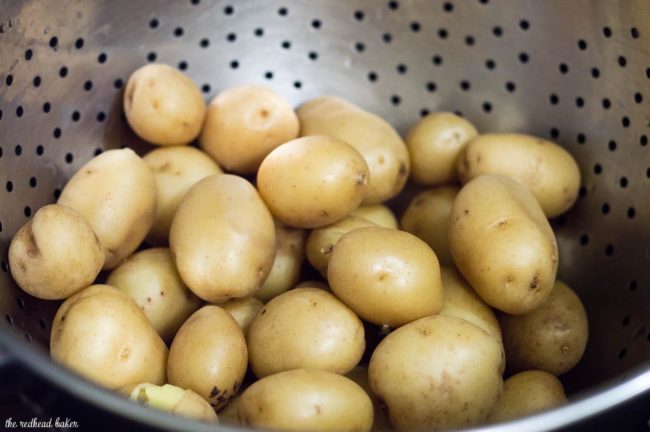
(575,72)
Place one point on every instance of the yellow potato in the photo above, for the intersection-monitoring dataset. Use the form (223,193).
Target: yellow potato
(172,399)
(437,372)
(503,244)
(314,284)
(379,214)
(176,169)
(243,310)
(244,124)
(427,217)
(321,241)
(289,256)
(150,278)
(551,338)
(528,393)
(380,419)
(101,334)
(222,238)
(313,181)
(386,276)
(548,170)
(116,193)
(435,144)
(163,105)
(376,140)
(55,254)
(306,400)
(305,328)
(209,355)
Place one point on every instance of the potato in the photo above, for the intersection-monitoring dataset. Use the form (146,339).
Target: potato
(386,276)
(289,256)
(55,254)
(503,244)
(435,144)
(163,106)
(379,214)
(437,372)
(150,278)
(548,170)
(427,217)
(244,124)
(551,338)
(305,328)
(209,355)
(243,310)
(116,193)
(528,393)
(101,334)
(314,284)
(306,400)
(313,181)
(321,241)
(378,142)
(172,399)
(222,238)
(175,169)
(380,419)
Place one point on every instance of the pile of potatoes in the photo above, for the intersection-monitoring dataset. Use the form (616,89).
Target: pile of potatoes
(262,276)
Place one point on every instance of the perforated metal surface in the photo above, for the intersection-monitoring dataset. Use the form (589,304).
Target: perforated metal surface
(577,72)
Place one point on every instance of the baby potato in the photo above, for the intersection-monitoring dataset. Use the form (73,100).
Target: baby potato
(314,284)
(379,214)
(435,144)
(175,169)
(222,238)
(548,170)
(321,241)
(305,328)
(378,142)
(380,420)
(101,334)
(437,372)
(306,400)
(244,124)
(116,193)
(289,256)
(528,393)
(386,276)
(551,338)
(172,399)
(243,310)
(503,244)
(427,217)
(55,254)
(150,278)
(313,181)
(209,355)
(163,106)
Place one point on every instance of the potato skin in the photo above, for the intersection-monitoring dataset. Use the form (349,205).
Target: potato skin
(163,106)
(313,181)
(101,334)
(435,144)
(528,393)
(116,193)
(437,372)
(549,171)
(306,400)
(175,169)
(503,244)
(427,217)
(386,276)
(209,355)
(243,310)
(222,238)
(150,278)
(551,338)
(305,328)
(55,254)
(378,142)
(244,124)
(379,214)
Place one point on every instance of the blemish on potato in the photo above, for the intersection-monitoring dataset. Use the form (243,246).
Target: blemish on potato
(32,246)
(535,282)
(361,179)
(214,392)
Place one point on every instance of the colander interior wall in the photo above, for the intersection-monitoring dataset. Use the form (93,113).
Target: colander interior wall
(575,72)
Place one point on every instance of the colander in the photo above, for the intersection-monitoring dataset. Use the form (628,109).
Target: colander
(576,72)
